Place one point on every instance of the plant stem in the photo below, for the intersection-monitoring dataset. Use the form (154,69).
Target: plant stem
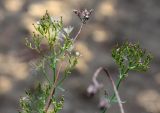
(115,91)
(54,62)
(55,76)
(117,86)
(75,38)
(54,73)
(114,87)
(52,90)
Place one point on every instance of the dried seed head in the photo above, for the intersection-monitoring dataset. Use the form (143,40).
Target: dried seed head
(83,15)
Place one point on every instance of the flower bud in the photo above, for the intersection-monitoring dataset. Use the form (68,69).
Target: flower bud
(91,90)
(104,103)
(77,53)
(38,22)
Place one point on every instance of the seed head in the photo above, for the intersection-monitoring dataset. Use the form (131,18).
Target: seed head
(84,15)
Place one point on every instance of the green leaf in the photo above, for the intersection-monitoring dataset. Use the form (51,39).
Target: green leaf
(130,56)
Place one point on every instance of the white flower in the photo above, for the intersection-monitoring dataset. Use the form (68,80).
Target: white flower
(55,19)
(61,36)
(25,99)
(68,29)
(38,22)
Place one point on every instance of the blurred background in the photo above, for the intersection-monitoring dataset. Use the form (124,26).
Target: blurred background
(112,22)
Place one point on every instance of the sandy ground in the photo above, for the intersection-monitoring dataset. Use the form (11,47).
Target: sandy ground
(113,21)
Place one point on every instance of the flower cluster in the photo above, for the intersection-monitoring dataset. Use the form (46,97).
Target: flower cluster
(83,15)
(131,57)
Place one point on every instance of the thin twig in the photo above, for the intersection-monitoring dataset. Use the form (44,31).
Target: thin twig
(113,84)
(52,90)
(94,79)
(75,38)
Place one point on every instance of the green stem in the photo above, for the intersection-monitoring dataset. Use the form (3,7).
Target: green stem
(122,76)
(60,82)
(104,111)
(54,69)
(117,86)
(53,66)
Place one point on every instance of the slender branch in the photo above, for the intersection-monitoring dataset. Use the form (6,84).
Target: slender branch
(113,84)
(52,89)
(75,38)
(117,86)
(94,79)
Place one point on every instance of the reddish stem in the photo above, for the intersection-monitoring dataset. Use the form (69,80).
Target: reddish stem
(113,84)
(52,90)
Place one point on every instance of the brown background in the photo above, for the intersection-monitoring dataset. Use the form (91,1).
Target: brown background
(113,21)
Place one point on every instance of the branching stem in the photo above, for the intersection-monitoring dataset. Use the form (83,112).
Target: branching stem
(57,76)
(52,89)
(113,84)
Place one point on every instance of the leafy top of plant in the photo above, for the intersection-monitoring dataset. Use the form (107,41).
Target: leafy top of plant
(131,57)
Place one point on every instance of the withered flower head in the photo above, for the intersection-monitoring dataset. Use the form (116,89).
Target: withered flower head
(83,15)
